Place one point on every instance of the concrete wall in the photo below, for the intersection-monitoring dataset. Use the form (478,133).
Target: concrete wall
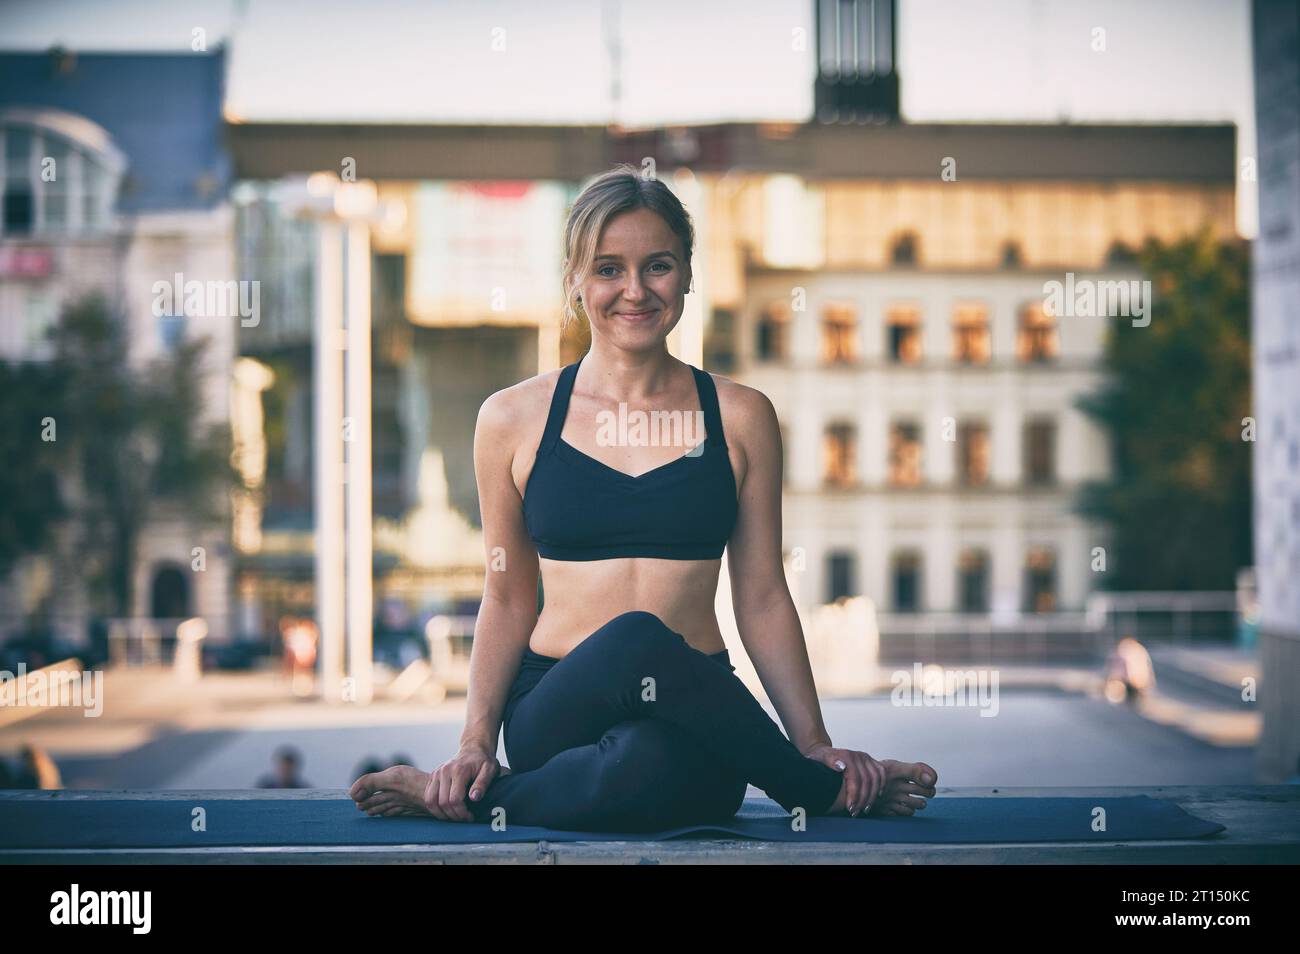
(1276,343)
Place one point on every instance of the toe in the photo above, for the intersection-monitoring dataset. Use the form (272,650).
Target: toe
(920,772)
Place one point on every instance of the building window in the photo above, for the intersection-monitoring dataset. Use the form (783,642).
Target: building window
(1040,580)
(774,332)
(1040,452)
(905,454)
(52,181)
(839,334)
(839,576)
(907,582)
(904,249)
(973,581)
(720,341)
(903,325)
(973,453)
(840,450)
(971,337)
(19,200)
(1036,339)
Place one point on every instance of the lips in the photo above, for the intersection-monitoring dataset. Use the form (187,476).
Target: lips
(638,315)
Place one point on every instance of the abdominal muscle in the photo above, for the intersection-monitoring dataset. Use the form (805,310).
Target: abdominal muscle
(581,596)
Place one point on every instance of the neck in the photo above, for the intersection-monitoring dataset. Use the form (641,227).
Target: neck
(630,376)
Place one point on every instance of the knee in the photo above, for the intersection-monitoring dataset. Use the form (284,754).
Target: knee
(646,778)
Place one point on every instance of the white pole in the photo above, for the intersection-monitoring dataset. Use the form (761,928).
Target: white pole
(359,549)
(327,395)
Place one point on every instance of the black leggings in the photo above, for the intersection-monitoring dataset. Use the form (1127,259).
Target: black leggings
(635,730)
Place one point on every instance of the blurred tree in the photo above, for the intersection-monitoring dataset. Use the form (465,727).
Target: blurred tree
(1179,498)
(30,502)
(132,438)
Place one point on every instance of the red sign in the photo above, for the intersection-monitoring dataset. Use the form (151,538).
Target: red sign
(18,262)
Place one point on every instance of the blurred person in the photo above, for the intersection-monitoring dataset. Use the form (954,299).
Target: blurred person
(620,707)
(1130,674)
(370,764)
(37,770)
(299,637)
(287,763)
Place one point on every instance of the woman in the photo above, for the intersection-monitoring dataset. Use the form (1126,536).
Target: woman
(620,706)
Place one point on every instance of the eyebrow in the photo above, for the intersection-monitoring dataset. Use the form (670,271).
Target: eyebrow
(619,258)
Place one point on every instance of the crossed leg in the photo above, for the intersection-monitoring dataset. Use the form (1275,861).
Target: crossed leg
(636,730)
(707,734)
(640,775)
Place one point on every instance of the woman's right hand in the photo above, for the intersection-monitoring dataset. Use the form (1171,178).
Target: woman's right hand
(470,771)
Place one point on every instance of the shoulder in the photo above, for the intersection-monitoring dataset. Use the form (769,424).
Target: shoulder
(744,409)
(515,408)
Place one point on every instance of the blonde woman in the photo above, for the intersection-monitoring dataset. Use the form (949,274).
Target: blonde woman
(620,707)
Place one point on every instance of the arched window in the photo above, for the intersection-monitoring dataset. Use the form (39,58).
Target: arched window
(59,173)
(903,251)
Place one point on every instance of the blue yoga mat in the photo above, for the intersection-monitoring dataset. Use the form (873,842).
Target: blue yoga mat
(166,823)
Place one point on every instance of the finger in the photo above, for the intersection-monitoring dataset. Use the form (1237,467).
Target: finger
(478,790)
(448,800)
(460,782)
(431,797)
(853,786)
(876,776)
(862,784)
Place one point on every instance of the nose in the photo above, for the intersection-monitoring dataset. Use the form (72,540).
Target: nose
(634,290)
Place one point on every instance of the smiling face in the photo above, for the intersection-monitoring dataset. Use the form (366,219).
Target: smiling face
(636,291)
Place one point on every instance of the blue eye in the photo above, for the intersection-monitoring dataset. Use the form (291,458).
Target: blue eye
(601,271)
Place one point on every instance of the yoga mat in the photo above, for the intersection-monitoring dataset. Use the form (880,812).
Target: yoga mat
(166,823)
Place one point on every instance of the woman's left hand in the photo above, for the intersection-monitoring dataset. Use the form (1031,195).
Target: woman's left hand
(865,776)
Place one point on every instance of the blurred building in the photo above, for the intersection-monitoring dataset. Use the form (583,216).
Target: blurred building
(138,196)
(896,321)
(883,283)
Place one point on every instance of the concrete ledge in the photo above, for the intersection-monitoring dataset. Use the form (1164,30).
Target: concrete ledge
(1263,827)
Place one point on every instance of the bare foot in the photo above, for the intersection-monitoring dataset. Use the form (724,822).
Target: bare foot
(394,791)
(907,785)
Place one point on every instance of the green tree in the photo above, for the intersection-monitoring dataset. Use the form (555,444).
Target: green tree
(30,501)
(132,437)
(1179,498)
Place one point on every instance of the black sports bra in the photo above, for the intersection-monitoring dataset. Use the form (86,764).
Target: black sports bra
(577,508)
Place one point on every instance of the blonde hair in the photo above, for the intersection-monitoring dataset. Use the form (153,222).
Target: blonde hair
(621,189)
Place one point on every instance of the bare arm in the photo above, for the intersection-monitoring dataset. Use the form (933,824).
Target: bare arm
(765,614)
(509,610)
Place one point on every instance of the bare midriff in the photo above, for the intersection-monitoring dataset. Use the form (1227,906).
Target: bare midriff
(581,596)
